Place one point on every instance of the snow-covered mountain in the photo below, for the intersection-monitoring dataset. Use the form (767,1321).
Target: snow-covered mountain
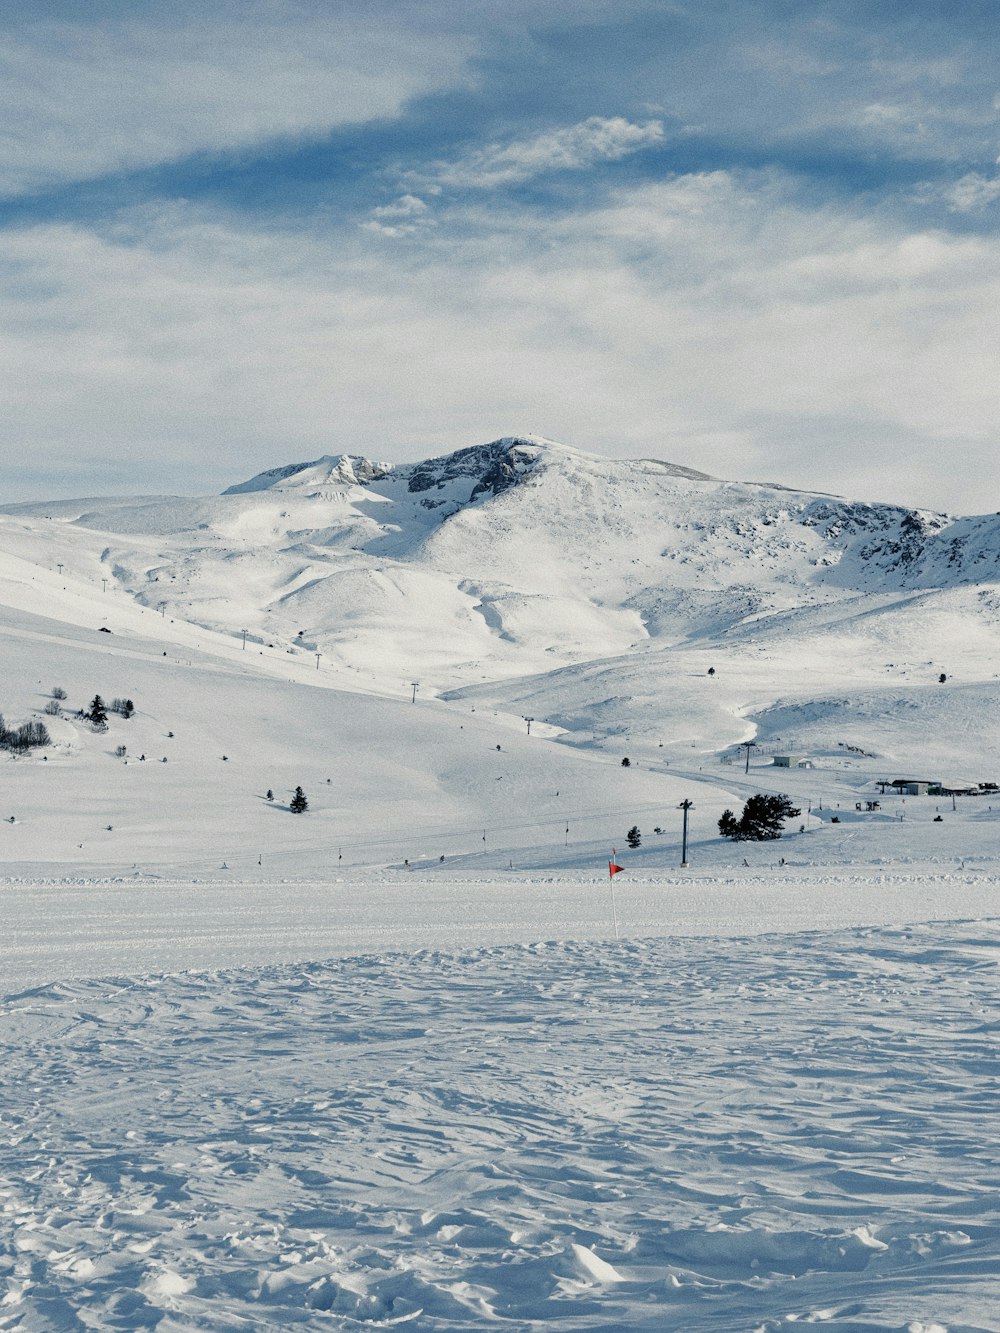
(626,607)
(517,556)
(454,659)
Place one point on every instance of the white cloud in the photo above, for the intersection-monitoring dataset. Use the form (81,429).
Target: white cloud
(89,97)
(972,193)
(710,320)
(406,206)
(402,217)
(566,148)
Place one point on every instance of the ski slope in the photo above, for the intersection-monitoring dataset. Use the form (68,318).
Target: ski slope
(411,1058)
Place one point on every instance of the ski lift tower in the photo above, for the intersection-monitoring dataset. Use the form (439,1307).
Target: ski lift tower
(685,805)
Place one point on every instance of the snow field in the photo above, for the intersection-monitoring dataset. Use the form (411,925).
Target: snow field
(140,924)
(675,1134)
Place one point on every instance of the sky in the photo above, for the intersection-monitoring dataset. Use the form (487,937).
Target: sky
(758,239)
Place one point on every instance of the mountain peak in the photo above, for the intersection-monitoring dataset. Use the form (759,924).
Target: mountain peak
(336,470)
(492,468)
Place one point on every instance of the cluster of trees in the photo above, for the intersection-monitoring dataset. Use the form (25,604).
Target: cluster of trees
(97,713)
(761,820)
(299,803)
(28,736)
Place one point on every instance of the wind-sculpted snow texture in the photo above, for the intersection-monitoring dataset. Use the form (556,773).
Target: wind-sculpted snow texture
(662,1135)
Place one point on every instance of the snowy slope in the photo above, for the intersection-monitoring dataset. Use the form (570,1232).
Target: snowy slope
(508,559)
(628,608)
(412,1058)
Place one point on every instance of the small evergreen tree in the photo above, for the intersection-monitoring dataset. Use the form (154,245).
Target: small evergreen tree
(626,762)
(270,795)
(298,805)
(634,837)
(97,713)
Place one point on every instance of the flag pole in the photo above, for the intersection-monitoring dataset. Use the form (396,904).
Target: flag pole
(613,869)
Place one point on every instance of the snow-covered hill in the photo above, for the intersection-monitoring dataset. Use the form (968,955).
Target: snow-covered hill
(509,558)
(554,1102)
(627,608)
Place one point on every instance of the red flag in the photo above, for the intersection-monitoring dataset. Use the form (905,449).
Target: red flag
(614,869)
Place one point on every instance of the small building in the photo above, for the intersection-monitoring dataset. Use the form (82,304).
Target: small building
(911,786)
(788,760)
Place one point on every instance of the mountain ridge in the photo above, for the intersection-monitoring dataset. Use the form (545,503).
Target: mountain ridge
(516,557)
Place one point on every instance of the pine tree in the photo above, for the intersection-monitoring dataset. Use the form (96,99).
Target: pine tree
(729,825)
(97,713)
(298,805)
(760,821)
(634,837)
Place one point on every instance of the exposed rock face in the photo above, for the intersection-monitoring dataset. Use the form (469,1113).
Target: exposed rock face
(920,548)
(846,543)
(492,468)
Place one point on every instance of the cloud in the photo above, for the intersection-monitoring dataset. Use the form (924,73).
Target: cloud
(85,96)
(714,319)
(402,217)
(566,148)
(972,193)
(406,206)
